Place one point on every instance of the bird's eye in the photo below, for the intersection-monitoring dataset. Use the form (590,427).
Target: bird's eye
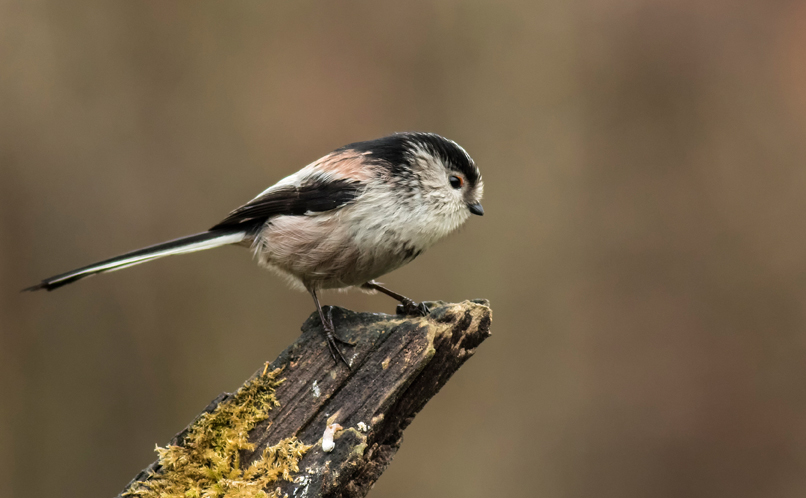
(456,182)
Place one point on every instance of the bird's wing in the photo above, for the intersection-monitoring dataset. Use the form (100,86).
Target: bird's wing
(316,195)
(326,184)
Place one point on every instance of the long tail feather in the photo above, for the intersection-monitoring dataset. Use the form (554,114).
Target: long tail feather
(191,243)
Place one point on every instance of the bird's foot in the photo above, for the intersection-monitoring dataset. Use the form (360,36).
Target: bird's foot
(410,308)
(333,340)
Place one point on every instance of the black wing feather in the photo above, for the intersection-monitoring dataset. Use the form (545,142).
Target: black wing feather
(316,196)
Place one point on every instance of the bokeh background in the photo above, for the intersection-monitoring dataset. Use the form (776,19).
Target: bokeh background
(643,248)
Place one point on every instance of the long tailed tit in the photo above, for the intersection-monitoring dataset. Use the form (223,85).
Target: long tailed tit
(342,221)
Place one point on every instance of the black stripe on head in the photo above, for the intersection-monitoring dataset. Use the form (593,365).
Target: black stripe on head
(396,151)
(453,156)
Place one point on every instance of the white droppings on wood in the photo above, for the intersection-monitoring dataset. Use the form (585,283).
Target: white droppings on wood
(327,438)
(362,427)
(315,388)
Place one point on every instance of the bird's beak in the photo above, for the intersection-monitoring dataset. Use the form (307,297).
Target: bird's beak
(476,209)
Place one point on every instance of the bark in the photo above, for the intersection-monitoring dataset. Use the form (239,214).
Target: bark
(397,364)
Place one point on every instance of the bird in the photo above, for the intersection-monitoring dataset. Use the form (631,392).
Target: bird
(340,222)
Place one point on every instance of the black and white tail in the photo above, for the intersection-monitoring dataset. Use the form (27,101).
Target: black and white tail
(191,243)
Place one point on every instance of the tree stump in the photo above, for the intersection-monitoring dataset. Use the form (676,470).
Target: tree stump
(266,438)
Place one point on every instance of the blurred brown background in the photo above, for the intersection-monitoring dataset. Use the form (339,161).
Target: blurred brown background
(643,248)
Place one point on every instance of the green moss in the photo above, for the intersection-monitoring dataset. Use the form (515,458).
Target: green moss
(358,450)
(207,465)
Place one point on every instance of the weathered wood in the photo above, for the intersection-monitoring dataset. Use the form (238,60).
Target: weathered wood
(397,364)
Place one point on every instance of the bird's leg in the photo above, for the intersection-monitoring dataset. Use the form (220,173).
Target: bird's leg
(330,331)
(329,314)
(410,307)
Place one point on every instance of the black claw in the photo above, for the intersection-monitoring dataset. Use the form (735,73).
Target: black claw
(332,339)
(406,307)
(333,329)
(410,308)
(335,352)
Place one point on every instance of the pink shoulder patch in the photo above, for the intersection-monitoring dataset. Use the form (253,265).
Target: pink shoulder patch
(345,164)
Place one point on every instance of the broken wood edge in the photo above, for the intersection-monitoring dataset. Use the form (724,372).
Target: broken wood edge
(368,458)
(432,349)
